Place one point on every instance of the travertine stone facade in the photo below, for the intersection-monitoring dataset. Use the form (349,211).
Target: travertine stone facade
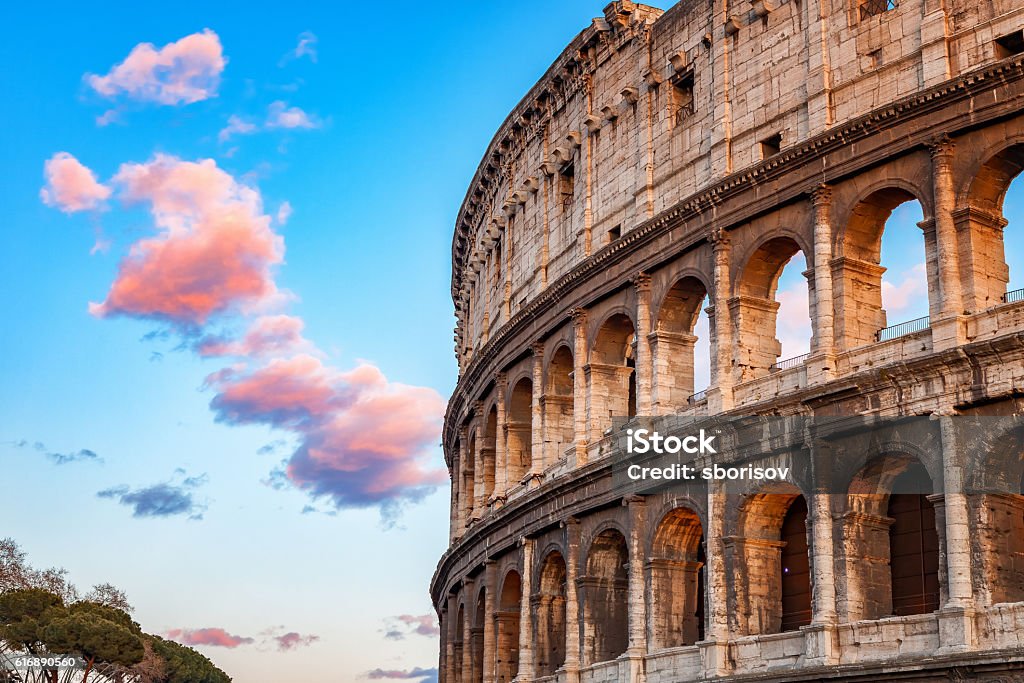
(673,160)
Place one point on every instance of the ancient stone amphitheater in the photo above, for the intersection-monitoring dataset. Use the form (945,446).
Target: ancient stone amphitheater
(669,156)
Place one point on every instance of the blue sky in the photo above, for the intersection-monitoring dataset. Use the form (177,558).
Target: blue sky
(399,104)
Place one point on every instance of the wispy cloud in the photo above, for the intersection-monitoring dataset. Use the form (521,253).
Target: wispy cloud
(418,673)
(280,116)
(306,47)
(58,458)
(71,186)
(211,636)
(293,641)
(905,292)
(407,624)
(166,499)
(181,72)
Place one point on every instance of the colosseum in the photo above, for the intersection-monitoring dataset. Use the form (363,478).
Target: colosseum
(667,166)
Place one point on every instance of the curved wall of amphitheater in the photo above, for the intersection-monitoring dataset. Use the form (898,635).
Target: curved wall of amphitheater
(670,156)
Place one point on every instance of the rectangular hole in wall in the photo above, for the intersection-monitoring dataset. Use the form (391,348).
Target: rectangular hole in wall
(682,97)
(870,8)
(614,234)
(1010,44)
(771,146)
(566,186)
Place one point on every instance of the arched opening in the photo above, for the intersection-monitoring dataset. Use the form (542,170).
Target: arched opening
(477,633)
(996,254)
(612,374)
(605,592)
(773,584)
(674,346)
(999,522)
(519,446)
(489,452)
(677,580)
(468,490)
(558,405)
(507,629)
(890,543)
(913,544)
(762,324)
(883,282)
(549,608)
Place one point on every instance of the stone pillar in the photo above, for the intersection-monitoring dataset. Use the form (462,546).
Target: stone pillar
(936,65)
(449,638)
(525,618)
(956,617)
(720,393)
(579,381)
(479,501)
(467,631)
(491,577)
(537,463)
(715,647)
(442,655)
(465,495)
(821,362)
(572,604)
(501,440)
(637,605)
(949,331)
(820,107)
(453,515)
(644,363)
(822,559)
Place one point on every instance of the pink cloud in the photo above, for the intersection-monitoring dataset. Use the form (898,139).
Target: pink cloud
(214,252)
(280,115)
(215,637)
(364,439)
(422,624)
(793,324)
(181,72)
(284,212)
(293,640)
(236,126)
(70,186)
(268,335)
(911,293)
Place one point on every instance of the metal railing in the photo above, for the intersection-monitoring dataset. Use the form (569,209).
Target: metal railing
(902,329)
(698,397)
(788,363)
(1013,295)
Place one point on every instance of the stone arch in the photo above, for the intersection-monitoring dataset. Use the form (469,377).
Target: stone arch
(771,566)
(612,373)
(677,580)
(507,628)
(549,611)
(755,308)
(519,423)
(673,342)
(558,408)
(605,593)
(890,540)
(857,272)
(982,221)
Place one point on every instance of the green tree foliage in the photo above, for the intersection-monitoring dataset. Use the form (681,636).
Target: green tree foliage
(185,665)
(24,614)
(99,634)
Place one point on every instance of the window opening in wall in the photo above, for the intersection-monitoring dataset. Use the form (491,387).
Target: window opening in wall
(870,8)
(1013,239)
(875,59)
(497,264)
(1009,45)
(567,186)
(614,234)
(682,97)
(771,146)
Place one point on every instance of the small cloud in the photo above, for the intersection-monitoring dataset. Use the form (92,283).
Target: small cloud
(236,126)
(409,624)
(81,455)
(280,115)
(71,186)
(271,448)
(284,212)
(909,294)
(306,47)
(417,673)
(181,72)
(212,636)
(108,117)
(166,499)
(293,640)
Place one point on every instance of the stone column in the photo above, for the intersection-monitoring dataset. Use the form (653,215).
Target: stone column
(715,648)
(463,518)
(537,463)
(491,577)
(579,383)
(449,638)
(946,335)
(821,639)
(453,514)
(525,618)
(467,631)
(637,605)
(720,393)
(479,502)
(956,618)
(501,440)
(821,362)
(572,604)
(644,364)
